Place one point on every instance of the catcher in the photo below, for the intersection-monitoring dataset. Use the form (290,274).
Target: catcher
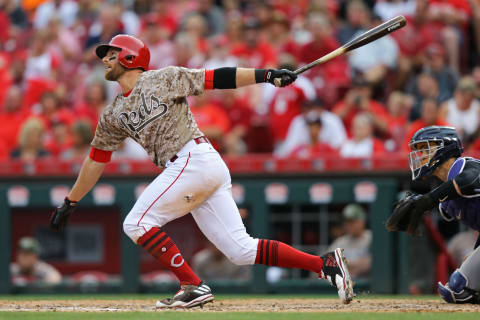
(436,152)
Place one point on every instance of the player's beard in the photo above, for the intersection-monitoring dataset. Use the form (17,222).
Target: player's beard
(115,72)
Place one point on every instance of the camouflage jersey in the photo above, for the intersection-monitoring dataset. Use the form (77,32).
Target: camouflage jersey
(155,114)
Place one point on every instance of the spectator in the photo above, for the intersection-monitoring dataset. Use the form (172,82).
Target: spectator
(29,269)
(356,241)
(358,99)
(278,30)
(315,148)
(196,26)
(30,141)
(213,15)
(362,144)
(240,115)
(107,25)
(156,37)
(16,15)
(219,54)
(252,51)
(212,120)
(64,9)
(357,19)
(388,9)
(41,63)
(461,245)
(211,264)
(94,103)
(328,79)
(82,136)
(463,110)
(374,60)
(187,53)
(435,64)
(430,117)
(286,105)
(11,116)
(412,40)
(332,131)
(398,107)
(424,86)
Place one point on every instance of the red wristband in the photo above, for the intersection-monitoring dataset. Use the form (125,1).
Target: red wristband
(100,155)
(208,79)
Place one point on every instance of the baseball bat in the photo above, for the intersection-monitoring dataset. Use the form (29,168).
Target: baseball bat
(363,39)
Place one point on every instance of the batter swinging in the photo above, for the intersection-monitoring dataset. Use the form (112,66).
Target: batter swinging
(153,111)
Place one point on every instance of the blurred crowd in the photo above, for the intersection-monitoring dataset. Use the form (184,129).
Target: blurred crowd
(367,102)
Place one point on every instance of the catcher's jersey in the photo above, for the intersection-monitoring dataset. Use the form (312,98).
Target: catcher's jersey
(155,114)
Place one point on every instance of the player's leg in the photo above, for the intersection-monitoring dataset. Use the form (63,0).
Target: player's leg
(171,195)
(219,219)
(464,284)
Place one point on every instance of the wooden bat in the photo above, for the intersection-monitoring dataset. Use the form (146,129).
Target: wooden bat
(363,39)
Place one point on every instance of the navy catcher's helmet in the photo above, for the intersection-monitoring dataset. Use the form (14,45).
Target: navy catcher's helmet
(432,146)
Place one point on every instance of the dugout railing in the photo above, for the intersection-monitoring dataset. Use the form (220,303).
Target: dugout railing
(259,193)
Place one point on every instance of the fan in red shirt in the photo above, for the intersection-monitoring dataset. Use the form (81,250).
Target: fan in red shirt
(11,118)
(287,104)
(255,52)
(397,120)
(358,100)
(211,119)
(278,30)
(315,148)
(330,77)
(93,104)
(430,117)
(240,115)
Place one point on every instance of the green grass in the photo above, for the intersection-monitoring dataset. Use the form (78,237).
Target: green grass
(217,296)
(233,316)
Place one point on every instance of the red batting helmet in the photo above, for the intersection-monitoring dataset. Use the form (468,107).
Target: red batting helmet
(133,52)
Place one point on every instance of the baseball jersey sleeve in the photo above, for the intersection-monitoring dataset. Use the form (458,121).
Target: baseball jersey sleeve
(182,82)
(107,136)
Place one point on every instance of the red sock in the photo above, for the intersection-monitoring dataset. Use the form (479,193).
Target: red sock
(164,250)
(275,253)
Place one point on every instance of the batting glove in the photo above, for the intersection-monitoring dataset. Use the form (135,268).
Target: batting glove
(286,77)
(60,215)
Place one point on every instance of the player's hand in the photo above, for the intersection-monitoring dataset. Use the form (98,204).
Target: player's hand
(408,213)
(60,215)
(280,78)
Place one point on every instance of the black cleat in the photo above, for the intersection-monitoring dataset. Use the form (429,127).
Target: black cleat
(335,271)
(187,297)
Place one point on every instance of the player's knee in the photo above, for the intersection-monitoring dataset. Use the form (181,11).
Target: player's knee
(456,290)
(244,252)
(132,230)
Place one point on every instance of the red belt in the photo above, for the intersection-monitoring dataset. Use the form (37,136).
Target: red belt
(198,140)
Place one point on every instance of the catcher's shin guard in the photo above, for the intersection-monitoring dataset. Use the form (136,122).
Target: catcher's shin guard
(457,291)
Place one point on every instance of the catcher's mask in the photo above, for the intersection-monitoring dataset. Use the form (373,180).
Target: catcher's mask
(430,147)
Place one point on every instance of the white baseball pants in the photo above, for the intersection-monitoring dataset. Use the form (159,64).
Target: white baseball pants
(198,181)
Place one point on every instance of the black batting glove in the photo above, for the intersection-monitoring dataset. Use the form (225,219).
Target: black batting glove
(284,76)
(60,215)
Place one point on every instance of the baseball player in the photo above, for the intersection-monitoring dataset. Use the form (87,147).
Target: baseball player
(436,152)
(153,111)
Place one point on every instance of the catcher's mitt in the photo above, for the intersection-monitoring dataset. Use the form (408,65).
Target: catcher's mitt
(408,212)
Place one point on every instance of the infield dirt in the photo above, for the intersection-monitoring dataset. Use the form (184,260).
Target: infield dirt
(244,305)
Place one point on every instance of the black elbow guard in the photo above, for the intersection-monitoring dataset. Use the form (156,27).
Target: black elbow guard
(225,78)
(468,182)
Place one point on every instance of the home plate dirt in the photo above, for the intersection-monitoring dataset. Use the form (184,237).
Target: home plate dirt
(245,305)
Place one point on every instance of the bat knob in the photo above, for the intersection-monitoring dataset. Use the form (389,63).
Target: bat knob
(277,82)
